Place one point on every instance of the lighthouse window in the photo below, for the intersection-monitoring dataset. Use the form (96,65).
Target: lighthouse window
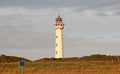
(56,52)
(56,36)
(56,44)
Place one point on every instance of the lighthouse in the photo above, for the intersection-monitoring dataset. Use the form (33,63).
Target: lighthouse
(59,26)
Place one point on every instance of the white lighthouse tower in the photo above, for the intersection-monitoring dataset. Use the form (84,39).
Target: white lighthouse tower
(59,39)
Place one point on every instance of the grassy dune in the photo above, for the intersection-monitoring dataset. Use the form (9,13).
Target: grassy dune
(64,66)
(55,67)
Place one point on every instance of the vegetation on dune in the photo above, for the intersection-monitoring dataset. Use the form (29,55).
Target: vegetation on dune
(4,58)
(94,64)
(95,57)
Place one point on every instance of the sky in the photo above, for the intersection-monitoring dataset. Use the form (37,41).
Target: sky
(91,27)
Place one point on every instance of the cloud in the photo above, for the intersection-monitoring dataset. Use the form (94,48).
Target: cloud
(24,20)
(95,44)
(59,3)
(26,41)
(79,5)
(28,24)
(24,28)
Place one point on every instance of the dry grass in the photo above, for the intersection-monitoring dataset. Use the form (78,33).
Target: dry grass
(63,67)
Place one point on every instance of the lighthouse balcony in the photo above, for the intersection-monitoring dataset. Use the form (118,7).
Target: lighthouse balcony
(59,27)
(59,24)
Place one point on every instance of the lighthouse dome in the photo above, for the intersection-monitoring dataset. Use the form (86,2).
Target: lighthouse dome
(58,18)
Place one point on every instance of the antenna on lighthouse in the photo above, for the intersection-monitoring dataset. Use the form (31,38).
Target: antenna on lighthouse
(58,14)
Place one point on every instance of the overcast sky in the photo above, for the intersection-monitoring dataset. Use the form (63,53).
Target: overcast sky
(91,27)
